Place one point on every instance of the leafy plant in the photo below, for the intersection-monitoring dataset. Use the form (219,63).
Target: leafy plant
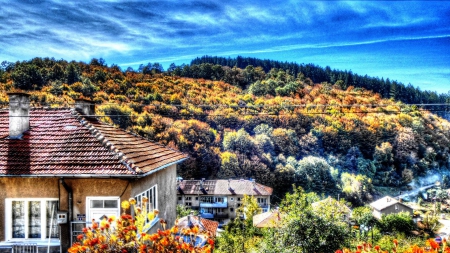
(128,234)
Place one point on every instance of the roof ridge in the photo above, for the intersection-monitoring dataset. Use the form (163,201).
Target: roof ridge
(106,143)
(137,135)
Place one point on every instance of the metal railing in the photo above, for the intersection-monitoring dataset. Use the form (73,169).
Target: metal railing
(76,228)
(25,248)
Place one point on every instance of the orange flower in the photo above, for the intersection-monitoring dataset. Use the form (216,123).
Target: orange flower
(395,242)
(184,246)
(195,229)
(174,230)
(377,248)
(165,241)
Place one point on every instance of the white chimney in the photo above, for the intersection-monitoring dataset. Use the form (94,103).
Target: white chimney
(19,114)
(85,107)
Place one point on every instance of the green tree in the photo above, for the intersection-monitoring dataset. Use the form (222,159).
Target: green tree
(396,222)
(56,88)
(185,211)
(119,115)
(315,174)
(240,235)
(27,76)
(72,73)
(239,141)
(357,188)
(304,230)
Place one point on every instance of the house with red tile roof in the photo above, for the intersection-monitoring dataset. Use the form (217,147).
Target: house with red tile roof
(206,229)
(61,168)
(204,225)
(219,199)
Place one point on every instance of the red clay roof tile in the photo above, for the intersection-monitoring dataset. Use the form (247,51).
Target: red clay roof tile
(63,142)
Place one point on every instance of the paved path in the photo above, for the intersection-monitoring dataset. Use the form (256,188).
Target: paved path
(444,231)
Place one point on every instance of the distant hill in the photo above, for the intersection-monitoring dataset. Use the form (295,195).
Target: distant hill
(386,88)
(276,127)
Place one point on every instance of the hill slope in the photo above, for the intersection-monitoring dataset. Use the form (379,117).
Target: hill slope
(280,130)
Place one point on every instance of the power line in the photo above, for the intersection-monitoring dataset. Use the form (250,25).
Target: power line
(285,103)
(223,115)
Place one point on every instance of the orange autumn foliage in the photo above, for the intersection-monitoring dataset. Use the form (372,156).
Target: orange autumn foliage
(128,234)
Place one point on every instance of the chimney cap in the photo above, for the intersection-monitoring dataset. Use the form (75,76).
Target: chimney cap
(18,93)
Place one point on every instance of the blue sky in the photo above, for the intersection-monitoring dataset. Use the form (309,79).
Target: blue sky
(408,41)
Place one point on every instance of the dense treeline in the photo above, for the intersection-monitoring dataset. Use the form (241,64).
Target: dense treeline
(276,127)
(387,88)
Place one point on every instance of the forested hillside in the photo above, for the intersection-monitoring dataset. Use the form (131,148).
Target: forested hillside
(385,87)
(273,126)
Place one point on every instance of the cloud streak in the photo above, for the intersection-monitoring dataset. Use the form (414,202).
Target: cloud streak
(137,32)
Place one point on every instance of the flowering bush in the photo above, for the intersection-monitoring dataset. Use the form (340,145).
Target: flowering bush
(126,235)
(431,246)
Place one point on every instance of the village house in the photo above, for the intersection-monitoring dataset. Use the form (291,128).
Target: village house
(270,219)
(333,207)
(388,205)
(61,168)
(219,199)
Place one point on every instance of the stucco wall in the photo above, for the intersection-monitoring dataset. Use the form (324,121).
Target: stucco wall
(400,208)
(391,209)
(167,195)
(92,187)
(24,188)
(83,188)
(51,188)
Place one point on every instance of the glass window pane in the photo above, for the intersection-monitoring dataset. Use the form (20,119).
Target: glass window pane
(150,199)
(34,219)
(111,203)
(18,219)
(96,203)
(154,198)
(138,200)
(51,223)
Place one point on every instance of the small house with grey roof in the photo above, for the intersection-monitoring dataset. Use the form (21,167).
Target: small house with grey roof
(388,205)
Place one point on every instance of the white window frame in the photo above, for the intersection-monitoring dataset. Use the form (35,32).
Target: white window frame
(8,218)
(262,200)
(155,204)
(88,206)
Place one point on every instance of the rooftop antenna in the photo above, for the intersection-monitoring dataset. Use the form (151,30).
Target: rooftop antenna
(253,182)
(201,184)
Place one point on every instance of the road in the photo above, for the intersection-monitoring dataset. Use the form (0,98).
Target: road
(444,231)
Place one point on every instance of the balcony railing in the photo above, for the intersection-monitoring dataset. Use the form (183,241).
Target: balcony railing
(215,216)
(215,204)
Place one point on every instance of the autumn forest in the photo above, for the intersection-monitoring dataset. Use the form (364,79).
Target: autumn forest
(331,132)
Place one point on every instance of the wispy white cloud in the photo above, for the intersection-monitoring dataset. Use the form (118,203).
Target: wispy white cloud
(136,31)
